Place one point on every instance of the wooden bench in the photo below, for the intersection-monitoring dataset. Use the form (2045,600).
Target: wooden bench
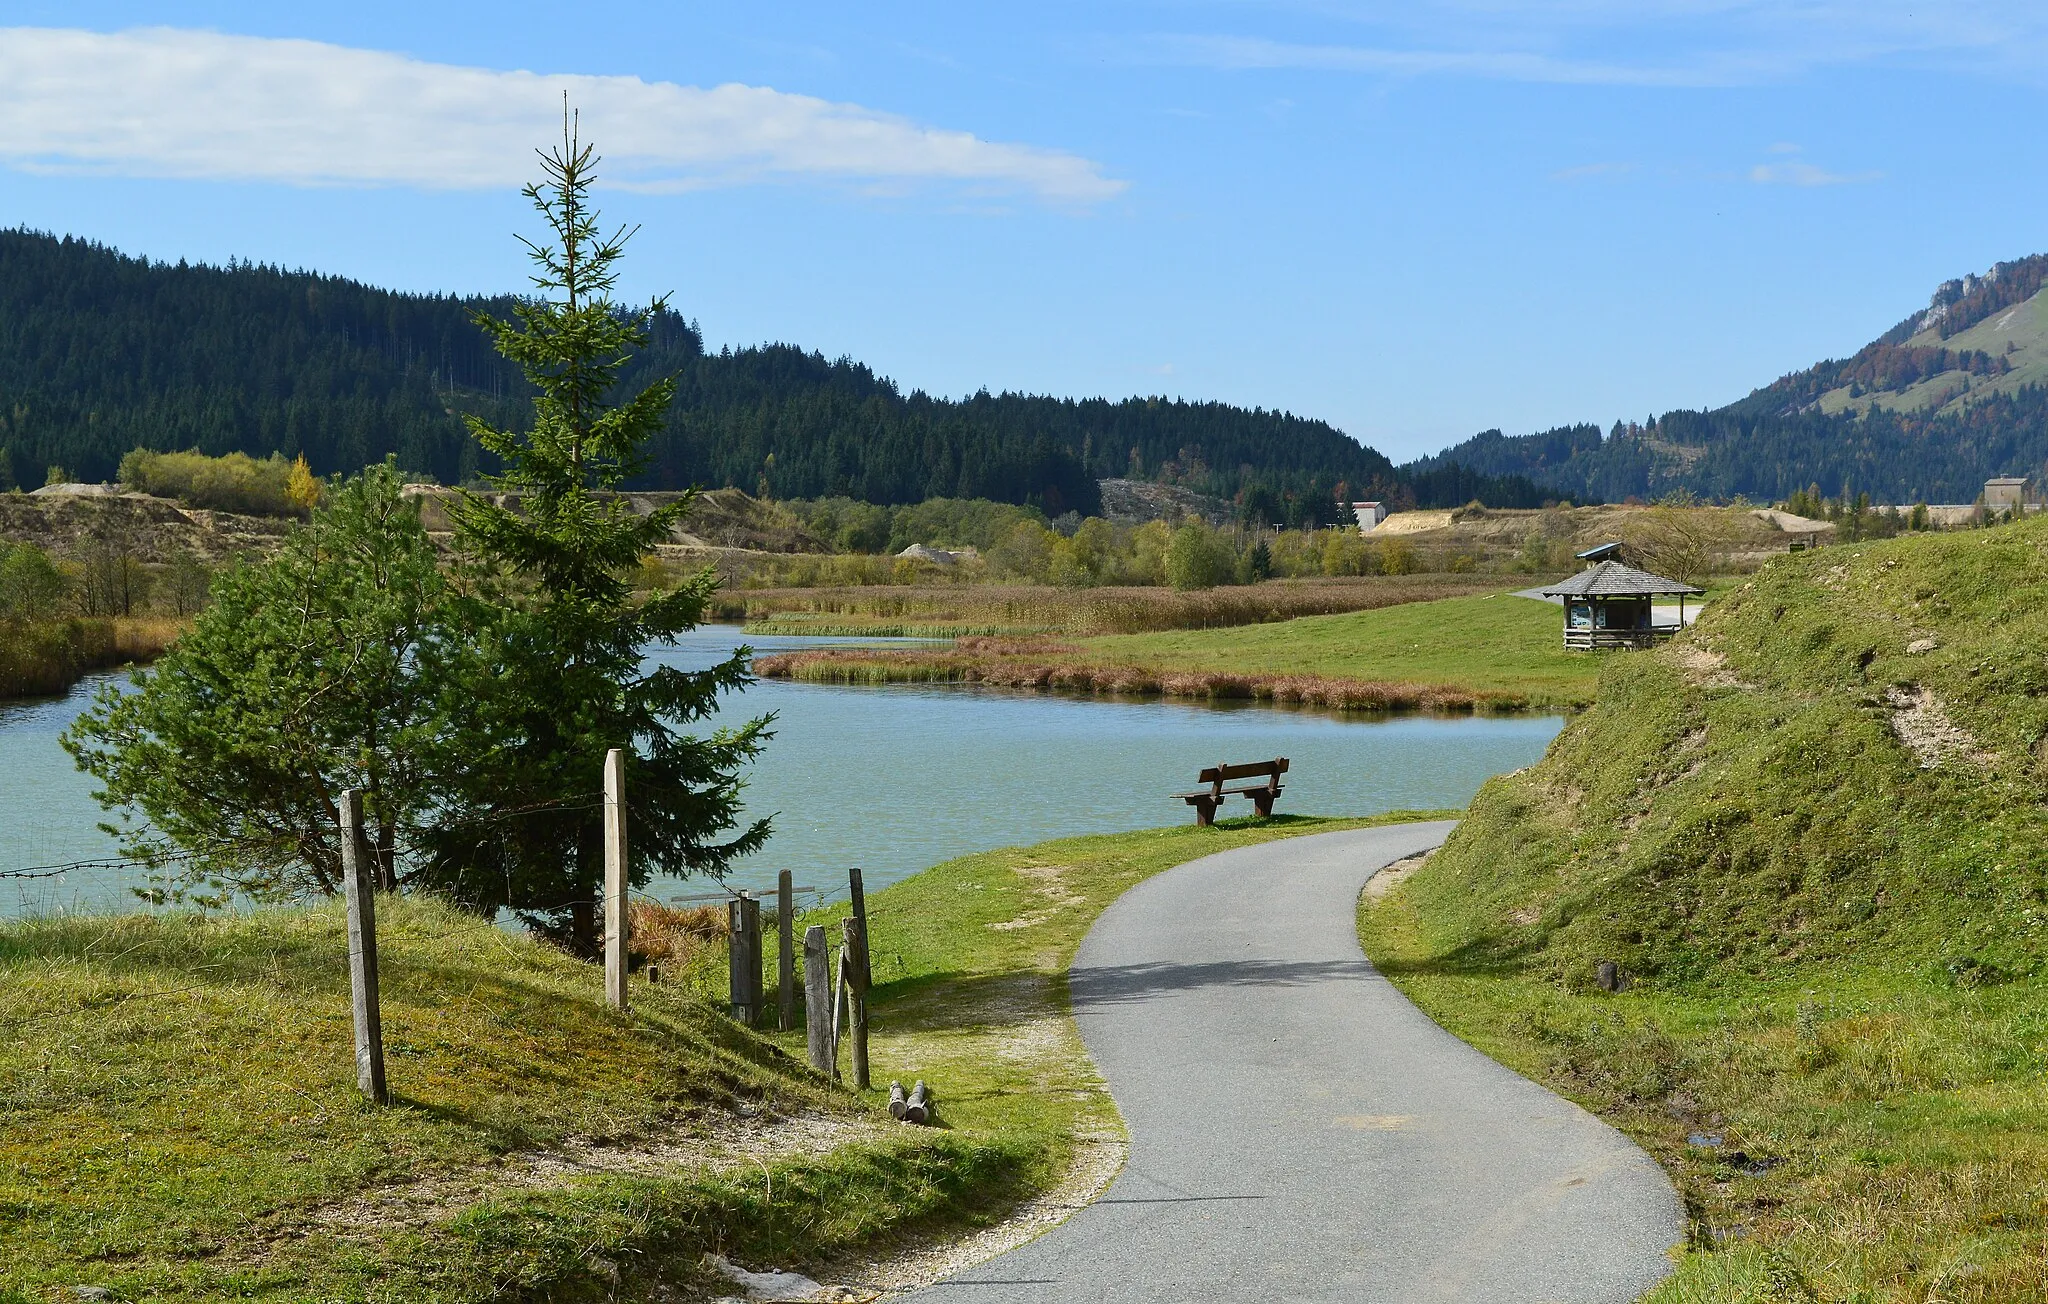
(1263,795)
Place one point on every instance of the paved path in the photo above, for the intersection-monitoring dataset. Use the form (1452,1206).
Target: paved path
(1299,1131)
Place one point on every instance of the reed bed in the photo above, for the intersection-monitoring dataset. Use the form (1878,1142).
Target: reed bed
(1024,665)
(43,658)
(1023,608)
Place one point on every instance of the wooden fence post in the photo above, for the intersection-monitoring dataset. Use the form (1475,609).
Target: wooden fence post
(615,920)
(856,953)
(818,997)
(785,961)
(838,1010)
(860,914)
(361,894)
(743,972)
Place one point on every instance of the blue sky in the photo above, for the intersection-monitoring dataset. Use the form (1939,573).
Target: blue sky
(1414,220)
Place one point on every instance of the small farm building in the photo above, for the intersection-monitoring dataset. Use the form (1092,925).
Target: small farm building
(1609,605)
(2006,493)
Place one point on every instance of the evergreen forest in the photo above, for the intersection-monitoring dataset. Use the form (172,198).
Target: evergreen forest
(102,353)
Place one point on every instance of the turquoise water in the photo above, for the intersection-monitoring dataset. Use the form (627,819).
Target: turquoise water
(895,778)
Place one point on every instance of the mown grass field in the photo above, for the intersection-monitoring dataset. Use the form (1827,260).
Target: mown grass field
(1490,643)
(1814,838)
(1486,651)
(179,1119)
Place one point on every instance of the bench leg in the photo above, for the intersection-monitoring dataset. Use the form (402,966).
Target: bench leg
(1264,801)
(1205,812)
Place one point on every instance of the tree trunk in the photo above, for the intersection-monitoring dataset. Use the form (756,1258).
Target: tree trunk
(583,928)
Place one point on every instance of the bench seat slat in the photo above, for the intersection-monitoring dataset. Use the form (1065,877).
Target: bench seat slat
(1207,794)
(1225,773)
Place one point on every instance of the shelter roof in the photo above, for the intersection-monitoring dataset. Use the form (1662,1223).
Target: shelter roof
(1611,579)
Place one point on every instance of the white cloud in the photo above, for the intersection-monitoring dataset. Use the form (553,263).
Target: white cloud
(166,102)
(1806,174)
(1676,43)
(1507,65)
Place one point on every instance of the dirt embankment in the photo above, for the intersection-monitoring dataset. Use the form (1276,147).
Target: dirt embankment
(1716,539)
(152,530)
(721,520)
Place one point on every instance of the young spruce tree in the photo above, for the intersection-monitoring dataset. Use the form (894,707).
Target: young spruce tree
(555,670)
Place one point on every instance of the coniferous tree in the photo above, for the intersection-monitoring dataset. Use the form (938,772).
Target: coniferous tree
(310,671)
(556,675)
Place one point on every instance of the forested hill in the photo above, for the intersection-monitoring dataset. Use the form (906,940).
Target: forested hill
(101,353)
(1951,396)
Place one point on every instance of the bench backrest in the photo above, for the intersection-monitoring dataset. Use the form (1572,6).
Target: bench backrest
(1272,769)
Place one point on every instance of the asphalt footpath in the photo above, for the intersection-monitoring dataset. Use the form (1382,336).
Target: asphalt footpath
(1300,1132)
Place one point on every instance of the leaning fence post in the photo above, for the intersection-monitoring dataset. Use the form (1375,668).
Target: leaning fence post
(818,998)
(856,953)
(362,949)
(785,962)
(859,897)
(615,878)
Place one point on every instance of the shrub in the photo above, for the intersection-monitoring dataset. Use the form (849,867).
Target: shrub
(1026,551)
(31,586)
(234,483)
(1397,557)
(1198,558)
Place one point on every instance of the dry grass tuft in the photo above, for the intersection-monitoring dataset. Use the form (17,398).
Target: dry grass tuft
(664,934)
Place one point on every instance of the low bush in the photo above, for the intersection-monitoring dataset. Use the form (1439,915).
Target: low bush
(235,482)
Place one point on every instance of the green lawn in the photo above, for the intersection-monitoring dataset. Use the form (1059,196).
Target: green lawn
(1494,643)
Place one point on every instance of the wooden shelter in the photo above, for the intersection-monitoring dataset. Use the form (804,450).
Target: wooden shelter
(1608,605)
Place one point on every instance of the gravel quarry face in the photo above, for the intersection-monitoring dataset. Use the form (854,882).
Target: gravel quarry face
(1300,1131)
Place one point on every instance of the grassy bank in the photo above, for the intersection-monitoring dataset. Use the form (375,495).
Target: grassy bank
(950,610)
(1811,838)
(178,1118)
(1483,652)
(43,658)
(180,1122)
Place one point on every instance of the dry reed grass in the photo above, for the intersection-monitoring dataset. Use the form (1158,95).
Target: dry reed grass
(43,658)
(999,663)
(665,934)
(1040,608)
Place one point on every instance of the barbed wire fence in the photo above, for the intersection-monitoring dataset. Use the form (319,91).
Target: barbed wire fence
(417,841)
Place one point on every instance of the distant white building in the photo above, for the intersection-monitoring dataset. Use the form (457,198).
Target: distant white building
(1369,515)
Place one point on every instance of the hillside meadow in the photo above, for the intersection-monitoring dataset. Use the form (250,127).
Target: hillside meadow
(1810,838)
